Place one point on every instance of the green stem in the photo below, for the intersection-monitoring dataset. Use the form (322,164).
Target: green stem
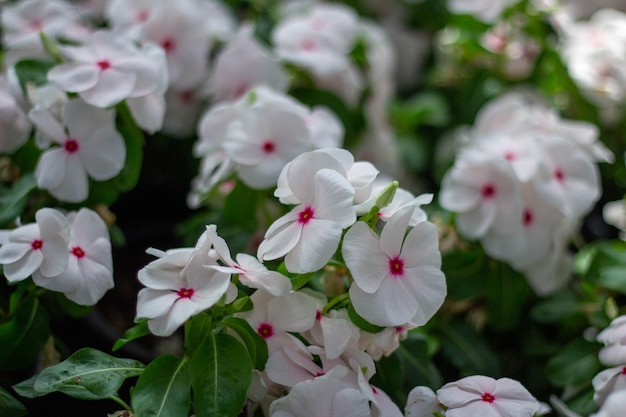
(120,402)
(340,299)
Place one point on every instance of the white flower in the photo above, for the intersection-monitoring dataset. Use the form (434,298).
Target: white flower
(484,191)
(38,249)
(242,64)
(485,10)
(324,396)
(422,402)
(91,147)
(613,406)
(396,279)
(89,272)
(107,69)
(614,339)
(607,382)
(614,213)
(179,285)
(309,235)
(482,396)
(15,127)
(273,317)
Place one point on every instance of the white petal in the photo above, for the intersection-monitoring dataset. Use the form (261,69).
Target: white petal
(318,242)
(154,303)
(75,77)
(113,86)
(103,154)
(367,263)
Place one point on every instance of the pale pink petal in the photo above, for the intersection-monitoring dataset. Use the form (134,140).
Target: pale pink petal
(391,305)
(350,402)
(50,171)
(23,267)
(167,324)
(421,246)
(393,233)
(367,263)
(476,222)
(283,240)
(427,285)
(12,251)
(75,185)
(47,124)
(82,119)
(146,73)
(75,76)
(154,303)
(113,86)
(318,242)
(294,312)
(54,228)
(94,281)
(103,153)
(333,198)
(148,111)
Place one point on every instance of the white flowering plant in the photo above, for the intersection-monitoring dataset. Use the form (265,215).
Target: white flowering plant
(389,208)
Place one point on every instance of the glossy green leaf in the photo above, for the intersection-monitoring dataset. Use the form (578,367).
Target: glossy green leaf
(134,141)
(506,297)
(138,330)
(221,373)
(24,335)
(163,389)
(197,329)
(26,388)
(10,406)
(88,374)
(557,308)
(577,363)
(241,206)
(256,345)
(607,268)
(361,323)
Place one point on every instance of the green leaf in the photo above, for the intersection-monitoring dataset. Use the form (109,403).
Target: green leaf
(574,365)
(467,350)
(414,352)
(163,389)
(557,309)
(26,388)
(88,374)
(13,200)
(139,330)
(506,297)
(465,273)
(361,323)
(33,72)
(221,373)
(241,206)
(134,140)
(196,330)
(608,267)
(256,345)
(9,406)
(24,335)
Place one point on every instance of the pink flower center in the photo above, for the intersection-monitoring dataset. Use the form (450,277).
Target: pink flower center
(268,147)
(320,374)
(559,175)
(265,330)
(509,156)
(396,266)
(318,315)
(71,145)
(36,25)
(186,96)
(240,90)
(168,44)
(78,252)
(185,293)
(142,15)
(488,191)
(104,64)
(528,217)
(624,370)
(36,244)
(305,215)
(308,45)
(488,398)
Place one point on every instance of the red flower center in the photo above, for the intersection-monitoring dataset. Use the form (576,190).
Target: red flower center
(168,44)
(305,215)
(36,244)
(185,293)
(104,64)
(559,175)
(488,191)
(488,398)
(396,266)
(71,145)
(527,217)
(268,147)
(265,330)
(78,252)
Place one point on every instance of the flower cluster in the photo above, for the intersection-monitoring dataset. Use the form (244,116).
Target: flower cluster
(70,254)
(521,183)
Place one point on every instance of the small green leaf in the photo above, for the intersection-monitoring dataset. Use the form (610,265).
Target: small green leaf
(26,388)
(163,389)
(221,373)
(88,374)
(577,363)
(506,297)
(9,406)
(607,268)
(24,335)
(241,206)
(256,345)
(556,309)
(13,200)
(139,330)
(51,47)
(134,141)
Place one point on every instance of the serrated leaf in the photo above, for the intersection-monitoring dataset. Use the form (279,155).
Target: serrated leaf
(24,335)
(256,345)
(88,374)
(577,363)
(138,330)
(163,389)
(10,406)
(221,373)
